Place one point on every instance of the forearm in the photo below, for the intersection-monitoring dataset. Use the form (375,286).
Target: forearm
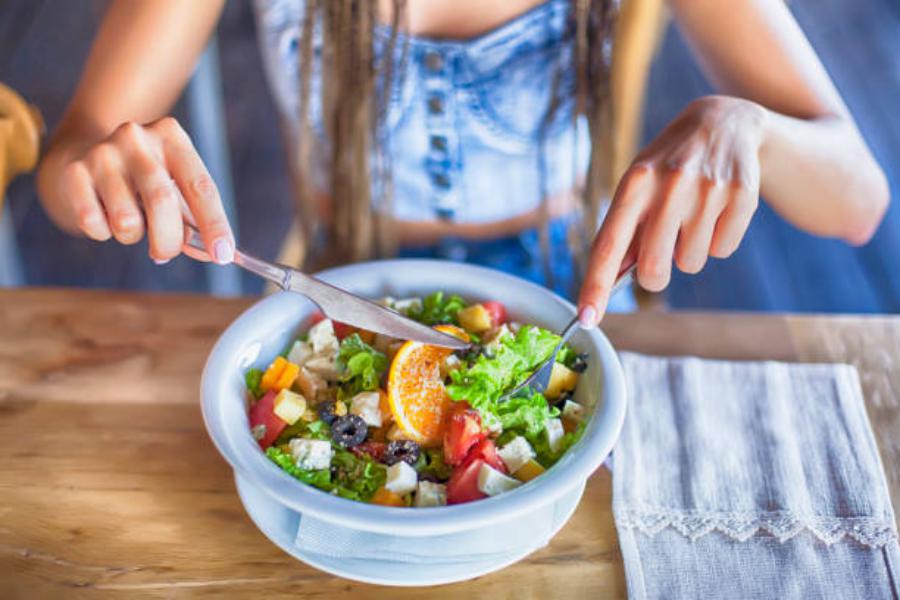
(141,59)
(819,175)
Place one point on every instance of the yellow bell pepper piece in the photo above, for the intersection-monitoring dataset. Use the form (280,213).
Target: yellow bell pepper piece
(279,376)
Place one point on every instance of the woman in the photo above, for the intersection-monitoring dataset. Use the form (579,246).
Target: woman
(461,129)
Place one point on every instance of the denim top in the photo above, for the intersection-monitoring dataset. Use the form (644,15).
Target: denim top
(464,116)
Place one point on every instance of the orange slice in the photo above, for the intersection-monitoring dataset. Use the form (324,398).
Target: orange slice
(415,389)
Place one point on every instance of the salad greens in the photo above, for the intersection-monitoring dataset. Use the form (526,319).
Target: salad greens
(360,364)
(252,379)
(437,309)
(351,476)
(483,383)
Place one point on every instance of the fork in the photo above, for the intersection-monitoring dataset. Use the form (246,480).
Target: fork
(540,379)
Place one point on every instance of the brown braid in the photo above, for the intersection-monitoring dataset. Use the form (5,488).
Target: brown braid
(359,168)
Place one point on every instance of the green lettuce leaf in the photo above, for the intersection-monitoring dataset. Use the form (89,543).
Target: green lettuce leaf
(252,379)
(547,457)
(350,476)
(361,366)
(438,309)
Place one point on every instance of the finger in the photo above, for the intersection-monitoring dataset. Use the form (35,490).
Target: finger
(85,204)
(199,191)
(122,210)
(156,190)
(733,222)
(612,243)
(654,267)
(695,237)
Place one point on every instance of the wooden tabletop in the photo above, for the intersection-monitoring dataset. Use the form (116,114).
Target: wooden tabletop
(109,485)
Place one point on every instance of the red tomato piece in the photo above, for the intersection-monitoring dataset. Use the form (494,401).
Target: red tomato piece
(463,484)
(497,311)
(263,419)
(370,448)
(463,432)
(342,330)
(486,451)
(315,317)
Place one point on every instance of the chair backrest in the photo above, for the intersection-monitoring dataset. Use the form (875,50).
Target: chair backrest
(21,127)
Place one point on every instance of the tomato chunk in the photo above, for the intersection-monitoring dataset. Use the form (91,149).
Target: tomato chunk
(463,484)
(486,451)
(463,433)
(342,330)
(264,423)
(497,311)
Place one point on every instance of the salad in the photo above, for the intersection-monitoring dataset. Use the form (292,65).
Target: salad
(400,423)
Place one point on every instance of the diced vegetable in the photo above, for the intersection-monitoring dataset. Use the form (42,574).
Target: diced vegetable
(562,379)
(386,497)
(265,425)
(252,379)
(289,406)
(516,453)
(528,471)
(474,318)
(429,493)
(463,433)
(280,375)
(463,484)
(497,311)
(486,451)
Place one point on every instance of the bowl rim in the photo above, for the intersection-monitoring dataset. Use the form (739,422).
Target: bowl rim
(584,457)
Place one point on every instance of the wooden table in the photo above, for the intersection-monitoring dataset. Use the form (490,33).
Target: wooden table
(110,486)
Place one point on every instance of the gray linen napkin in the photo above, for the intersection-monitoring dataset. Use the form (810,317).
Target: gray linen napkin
(751,480)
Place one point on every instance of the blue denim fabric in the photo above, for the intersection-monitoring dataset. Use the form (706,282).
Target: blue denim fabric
(464,124)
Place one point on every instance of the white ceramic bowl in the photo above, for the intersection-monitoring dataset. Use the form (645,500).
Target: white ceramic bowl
(266,328)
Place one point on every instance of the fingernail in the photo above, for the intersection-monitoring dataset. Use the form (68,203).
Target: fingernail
(223,251)
(161,262)
(588,317)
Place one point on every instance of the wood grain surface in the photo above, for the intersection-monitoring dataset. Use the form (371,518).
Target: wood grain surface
(109,486)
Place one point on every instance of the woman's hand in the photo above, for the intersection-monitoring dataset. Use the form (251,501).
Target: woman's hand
(141,178)
(690,194)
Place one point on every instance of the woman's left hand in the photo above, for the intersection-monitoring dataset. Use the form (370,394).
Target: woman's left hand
(688,195)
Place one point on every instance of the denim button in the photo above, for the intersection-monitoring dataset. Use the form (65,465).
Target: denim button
(441,180)
(435,105)
(433,61)
(439,143)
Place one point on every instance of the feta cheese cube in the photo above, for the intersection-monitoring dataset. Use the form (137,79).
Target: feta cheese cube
(450,364)
(401,478)
(322,338)
(310,383)
(323,366)
(516,453)
(573,411)
(365,406)
(406,305)
(493,482)
(300,353)
(429,493)
(554,431)
(311,454)
(289,406)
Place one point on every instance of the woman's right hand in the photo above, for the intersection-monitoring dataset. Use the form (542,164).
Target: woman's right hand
(133,182)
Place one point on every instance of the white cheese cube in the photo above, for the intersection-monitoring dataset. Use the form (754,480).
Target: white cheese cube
(322,338)
(300,353)
(401,478)
(493,482)
(555,434)
(429,493)
(450,364)
(516,453)
(405,305)
(311,384)
(365,406)
(311,455)
(573,411)
(289,406)
(323,366)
